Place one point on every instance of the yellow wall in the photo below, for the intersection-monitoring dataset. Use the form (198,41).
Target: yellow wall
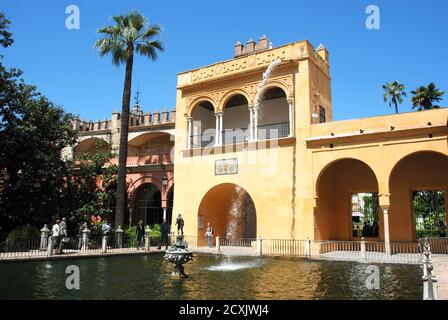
(286,197)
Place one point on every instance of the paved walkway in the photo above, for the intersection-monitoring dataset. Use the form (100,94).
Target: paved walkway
(370,257)
(68,253)
(440,263)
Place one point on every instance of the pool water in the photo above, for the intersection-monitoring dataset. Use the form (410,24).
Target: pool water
(210,277)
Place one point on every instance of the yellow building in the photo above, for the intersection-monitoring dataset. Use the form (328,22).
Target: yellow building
(258,155)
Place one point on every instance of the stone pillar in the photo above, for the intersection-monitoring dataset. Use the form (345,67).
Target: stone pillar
(85,239)
(218,243)
(251,123)
(221,128)
(104,244)
(386,229)
(189,131)
(430,289)
(50,246)
(363,249)
(259,247)
(308,248)
(217,129)
(119,237)
(44,238)
(291,117)
(255,123)
(147,239)
(156,117)
(164,116)
(147,118)
(173,116)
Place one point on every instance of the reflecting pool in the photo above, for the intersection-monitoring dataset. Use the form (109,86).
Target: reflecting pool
(210,277)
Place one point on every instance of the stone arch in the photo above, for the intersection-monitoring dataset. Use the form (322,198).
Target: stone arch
(336,183)
(147,204)
(230,210)
(274,113)
(275,83)
(424,170)
(196,101)
(230,94)
(236,119)
(88,145)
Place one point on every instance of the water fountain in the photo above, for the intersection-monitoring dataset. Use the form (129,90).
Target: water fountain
(266,75)
(178,253)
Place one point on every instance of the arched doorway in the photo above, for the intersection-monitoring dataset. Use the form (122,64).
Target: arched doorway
(148,205)
(418,187)
(203,132)
(273,114)
(236,120)
(347,202)
(231,212)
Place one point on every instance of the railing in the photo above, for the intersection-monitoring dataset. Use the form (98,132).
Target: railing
(203,140)
(234,136)
(438,245)
(91,244)
(116,242)
(282,247)
(273,131)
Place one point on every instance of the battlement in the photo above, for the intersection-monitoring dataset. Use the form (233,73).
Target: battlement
(136,119)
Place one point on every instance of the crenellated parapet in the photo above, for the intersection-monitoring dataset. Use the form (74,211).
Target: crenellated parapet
(136,120)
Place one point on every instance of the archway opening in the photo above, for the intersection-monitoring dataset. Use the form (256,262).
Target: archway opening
(91,146)
(204,125)
(419,196)
(273,114)
(347,202)
(151,148)
(230,211)
(236,120)
(148,205)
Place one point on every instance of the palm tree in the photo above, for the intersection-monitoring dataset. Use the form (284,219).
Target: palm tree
(425,96)
(395,92)
(131,33)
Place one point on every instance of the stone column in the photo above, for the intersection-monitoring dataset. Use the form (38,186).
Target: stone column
(259,247)
(363,249)
(291,117)
(44,238)
(251,123)
(217,129)
(119,237)
(104,244)
(220,128)
(218,243)
(147,239)
(189,131)
(255,124)
(308,248)
(85,239)
(50,246)
(386,229)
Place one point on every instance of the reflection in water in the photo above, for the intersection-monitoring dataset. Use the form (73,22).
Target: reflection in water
(210,277)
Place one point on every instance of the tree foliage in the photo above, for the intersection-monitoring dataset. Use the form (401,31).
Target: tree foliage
(131,34)
(394,91)
(33,132)
(424,97)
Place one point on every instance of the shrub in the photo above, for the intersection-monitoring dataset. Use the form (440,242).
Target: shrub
(23,238)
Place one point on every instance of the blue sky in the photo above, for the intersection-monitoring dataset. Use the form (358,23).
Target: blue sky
(411,47)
